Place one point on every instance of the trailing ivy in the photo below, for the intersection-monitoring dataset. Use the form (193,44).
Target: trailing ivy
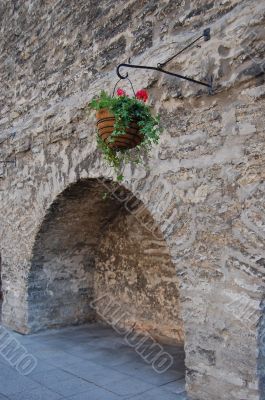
(125,110)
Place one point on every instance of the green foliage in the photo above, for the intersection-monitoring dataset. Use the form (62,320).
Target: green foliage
(125,110)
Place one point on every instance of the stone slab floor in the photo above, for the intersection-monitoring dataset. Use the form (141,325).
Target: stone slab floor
(89,362)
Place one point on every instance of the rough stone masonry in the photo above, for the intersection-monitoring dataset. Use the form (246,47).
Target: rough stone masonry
(201,279)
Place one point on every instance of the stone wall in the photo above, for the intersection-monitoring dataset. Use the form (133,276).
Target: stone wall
(134,269)
(204,183)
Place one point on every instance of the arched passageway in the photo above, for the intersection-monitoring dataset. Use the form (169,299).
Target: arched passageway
(98,239)
(99,256)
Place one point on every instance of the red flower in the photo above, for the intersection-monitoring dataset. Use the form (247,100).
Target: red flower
(121,92)
(142,95)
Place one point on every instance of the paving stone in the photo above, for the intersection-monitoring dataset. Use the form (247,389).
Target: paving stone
(95,373)
(97,394)
(3,361)
(36,394)
(62,360)
(130,386)
(158,394)
(42,366)
(2,397)
(131,368)
(144,372)
(71,387)
(47,353)
(13,383)
(175,387)
(52,376)
(110,358)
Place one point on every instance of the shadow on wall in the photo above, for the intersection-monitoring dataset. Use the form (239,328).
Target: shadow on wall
(90,246)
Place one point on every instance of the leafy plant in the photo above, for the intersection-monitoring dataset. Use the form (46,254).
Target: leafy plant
(125,110)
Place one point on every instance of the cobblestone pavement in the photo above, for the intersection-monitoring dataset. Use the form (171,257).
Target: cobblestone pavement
(89,362)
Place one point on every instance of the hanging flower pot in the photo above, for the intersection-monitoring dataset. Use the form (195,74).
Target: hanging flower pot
(126,127)
(130,138)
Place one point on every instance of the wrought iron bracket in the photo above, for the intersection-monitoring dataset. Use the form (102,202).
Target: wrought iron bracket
(206,35)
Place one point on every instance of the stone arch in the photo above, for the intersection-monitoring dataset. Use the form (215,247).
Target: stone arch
(205,306)
(87,246)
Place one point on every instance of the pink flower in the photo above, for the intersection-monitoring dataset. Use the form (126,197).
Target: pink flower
(142,95)
(121,92)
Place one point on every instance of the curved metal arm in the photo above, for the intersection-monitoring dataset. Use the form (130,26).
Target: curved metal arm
(159,70)
(206,35)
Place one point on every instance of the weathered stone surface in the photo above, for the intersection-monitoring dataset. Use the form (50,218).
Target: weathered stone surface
(204,185)
(134,268)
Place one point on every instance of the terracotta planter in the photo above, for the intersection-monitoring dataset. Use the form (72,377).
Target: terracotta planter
(105,125)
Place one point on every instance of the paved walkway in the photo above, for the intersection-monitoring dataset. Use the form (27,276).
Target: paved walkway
(90,362)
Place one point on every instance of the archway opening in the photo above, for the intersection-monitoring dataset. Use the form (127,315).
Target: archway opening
(100,257)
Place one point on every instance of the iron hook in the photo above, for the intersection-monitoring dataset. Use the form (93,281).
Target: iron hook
(119,74)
